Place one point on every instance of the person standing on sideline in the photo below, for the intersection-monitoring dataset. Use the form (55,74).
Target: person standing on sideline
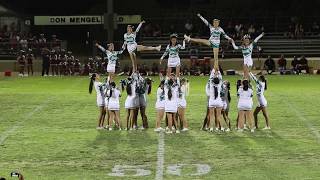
(45,62)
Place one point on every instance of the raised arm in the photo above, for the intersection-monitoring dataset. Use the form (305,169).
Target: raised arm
(224,34)
(183,45)
(166,52)
(234,45)
(101,48)
(139,26)
(204,20)
(258,38)
(254,78)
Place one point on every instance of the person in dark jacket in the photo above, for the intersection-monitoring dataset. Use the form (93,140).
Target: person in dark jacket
(269,65)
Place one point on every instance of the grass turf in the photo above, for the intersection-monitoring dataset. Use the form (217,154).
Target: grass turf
(47,131)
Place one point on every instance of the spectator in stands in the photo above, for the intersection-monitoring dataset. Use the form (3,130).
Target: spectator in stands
(238,28)
(303,64)
(147,30)
(299,31)
(23,43)
(294,64)
(282,63)
(251,30)
(188,27)
(269,65)
(156,30)
(315,28)
(42,41)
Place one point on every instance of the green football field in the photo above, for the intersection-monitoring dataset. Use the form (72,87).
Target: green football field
(48,131)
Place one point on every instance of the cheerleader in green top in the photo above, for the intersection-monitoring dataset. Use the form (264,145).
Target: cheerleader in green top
(247,49)
(214,41)
(173,51)
(132,46)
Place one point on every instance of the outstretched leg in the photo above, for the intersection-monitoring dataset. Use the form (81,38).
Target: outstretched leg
(148,48)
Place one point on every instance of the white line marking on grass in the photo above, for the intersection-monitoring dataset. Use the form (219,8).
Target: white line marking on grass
(18,124)
(305,120)
(160,157)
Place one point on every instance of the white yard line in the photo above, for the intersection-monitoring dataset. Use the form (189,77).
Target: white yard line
(18,124)
(304,120)
(160,157)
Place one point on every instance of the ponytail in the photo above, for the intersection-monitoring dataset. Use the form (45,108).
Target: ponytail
(245,84)
(92,79)
(169,93)
(263,79)
(129,89)
(215,92)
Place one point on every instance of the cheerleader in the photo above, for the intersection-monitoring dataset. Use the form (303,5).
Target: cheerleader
(171,105)
(130,43)
(245,94)
(112,57)
(30,58)
(213,90)
(143,89)
(173,51)
(160,106)
(226,99)
(114,105)
(247,49)
(94,82)
(131,103)
(182,103)
(214,41)
(262,102)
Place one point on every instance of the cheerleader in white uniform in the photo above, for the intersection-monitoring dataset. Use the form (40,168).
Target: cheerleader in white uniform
(182,103)
(262,102)
(94,82)
(132,46)
(112,57)
(173,51)
(160,105)
(245,103)
(171,104)
(226,98)
(213,90)
(247,49)
(214,41)
(131,103)
(144,88)
(114,105)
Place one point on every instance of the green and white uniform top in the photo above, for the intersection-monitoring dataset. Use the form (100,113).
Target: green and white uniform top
(259,85)
(173,51)
(215,34)
(131,38)
(112,56)
(247,50)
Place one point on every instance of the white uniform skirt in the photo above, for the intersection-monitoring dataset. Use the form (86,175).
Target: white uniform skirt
(111,68)
(225,106)
(160,105)
(182,103)
(142,100)
(262,102)
(106,102)
(171,106)
(113,105)
(100,101)
(173,62)
(215,103)
(248,61)
(245,105)
(131,102)
(132,47)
